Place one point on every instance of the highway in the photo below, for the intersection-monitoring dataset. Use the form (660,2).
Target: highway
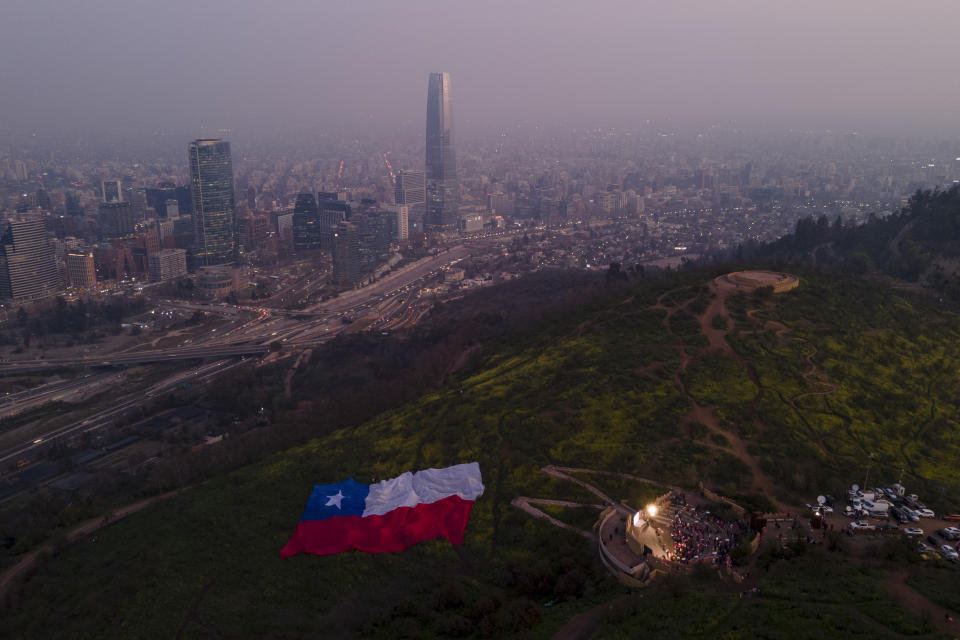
(28,450)
(299,329)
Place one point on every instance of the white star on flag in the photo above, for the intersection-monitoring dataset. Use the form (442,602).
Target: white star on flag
(335,500)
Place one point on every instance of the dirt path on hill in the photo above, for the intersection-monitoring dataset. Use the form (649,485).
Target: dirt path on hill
(705,414)
(525,504)
(288,379)
(10,577)
(557,473)
(582,625)
(897,587)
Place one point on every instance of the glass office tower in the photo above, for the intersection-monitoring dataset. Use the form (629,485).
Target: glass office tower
(211,186)
(441,166)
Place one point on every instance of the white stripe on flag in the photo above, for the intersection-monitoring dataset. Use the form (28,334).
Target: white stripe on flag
(424,487)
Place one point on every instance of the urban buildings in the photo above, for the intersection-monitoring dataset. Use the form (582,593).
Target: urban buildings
(167,264)
(331,213)
(112,191)
(442,188)
(28,267)
(117,219)
(158,198)
(81,271)
(306,223)
(217,282)
(211,185)
(346,254)
(360,244)
(403,222)
(410,190)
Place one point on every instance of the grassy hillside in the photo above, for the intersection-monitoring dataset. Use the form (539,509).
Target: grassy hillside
(788,401)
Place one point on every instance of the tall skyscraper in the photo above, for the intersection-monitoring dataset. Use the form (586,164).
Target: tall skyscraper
(28,267)
(442,209)
(211,185)
(306,223)
(410,188)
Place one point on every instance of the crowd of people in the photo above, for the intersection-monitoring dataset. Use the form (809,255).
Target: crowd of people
(698,535)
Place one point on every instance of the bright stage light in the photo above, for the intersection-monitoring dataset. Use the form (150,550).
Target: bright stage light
(652,510)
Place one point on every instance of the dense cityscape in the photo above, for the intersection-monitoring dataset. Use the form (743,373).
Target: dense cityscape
(545,378)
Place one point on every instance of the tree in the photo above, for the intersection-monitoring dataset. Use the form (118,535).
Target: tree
(615,273)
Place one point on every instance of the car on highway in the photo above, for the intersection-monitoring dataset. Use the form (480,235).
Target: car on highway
(912,531)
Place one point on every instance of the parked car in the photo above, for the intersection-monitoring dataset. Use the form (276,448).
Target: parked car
(925,513)
(949,553)
(924,548)
(953,517)
(859,525)
(933,541)
(913,531)
(951,533)
(911,514)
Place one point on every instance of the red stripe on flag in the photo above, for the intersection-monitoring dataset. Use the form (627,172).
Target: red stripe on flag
(387,533)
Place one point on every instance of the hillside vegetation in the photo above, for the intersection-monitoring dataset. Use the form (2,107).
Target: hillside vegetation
(919,244)
(789,400)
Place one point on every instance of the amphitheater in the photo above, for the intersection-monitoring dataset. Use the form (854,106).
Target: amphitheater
(750,281)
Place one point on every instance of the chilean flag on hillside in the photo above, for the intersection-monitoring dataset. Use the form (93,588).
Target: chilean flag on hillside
(387,516)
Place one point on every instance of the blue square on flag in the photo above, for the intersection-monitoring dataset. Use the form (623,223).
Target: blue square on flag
(346,498)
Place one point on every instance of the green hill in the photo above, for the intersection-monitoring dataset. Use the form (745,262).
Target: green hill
(919,244)
(789,401)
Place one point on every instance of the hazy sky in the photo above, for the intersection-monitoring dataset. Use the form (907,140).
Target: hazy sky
(175,65)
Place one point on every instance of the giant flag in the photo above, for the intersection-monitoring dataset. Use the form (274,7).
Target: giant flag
(390,515)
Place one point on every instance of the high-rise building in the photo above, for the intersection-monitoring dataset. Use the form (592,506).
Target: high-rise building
(43,199)
(442,189)
(403,222)
(116,219)
(410,188)
(211,185)
(332,213)
(167,263)
(285,232)
(81,270)
(28,267)
(346,254)
(306,223)
(112,191)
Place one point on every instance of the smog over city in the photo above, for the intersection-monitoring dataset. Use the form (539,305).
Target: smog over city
(877,65)
(497,319)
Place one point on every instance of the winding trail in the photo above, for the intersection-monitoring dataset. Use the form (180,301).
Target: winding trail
(9,577)
(911,598)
